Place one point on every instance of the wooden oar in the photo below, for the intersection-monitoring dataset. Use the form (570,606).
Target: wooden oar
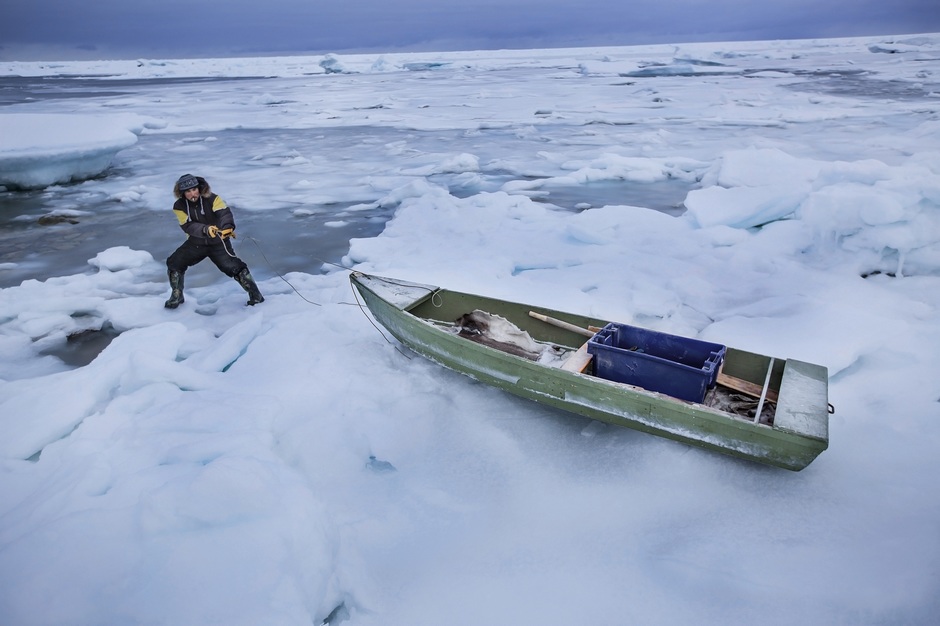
(586,332)
(579,360)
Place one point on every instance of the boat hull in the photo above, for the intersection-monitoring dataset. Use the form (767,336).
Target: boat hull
(408,318)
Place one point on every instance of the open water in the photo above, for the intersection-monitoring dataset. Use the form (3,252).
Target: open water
(55,231)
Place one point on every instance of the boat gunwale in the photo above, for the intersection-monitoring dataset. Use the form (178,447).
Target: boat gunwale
(664,412)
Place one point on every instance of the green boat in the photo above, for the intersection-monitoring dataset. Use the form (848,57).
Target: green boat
(769,410)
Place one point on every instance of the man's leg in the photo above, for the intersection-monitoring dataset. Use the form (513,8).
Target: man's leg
(224,258)
(182,259)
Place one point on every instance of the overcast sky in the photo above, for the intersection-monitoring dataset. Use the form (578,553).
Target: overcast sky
(66,30)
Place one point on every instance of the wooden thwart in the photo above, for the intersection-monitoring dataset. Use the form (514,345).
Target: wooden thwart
(578,361)
(745,387)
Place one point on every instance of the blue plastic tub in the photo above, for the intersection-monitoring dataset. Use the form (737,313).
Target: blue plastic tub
(676,366)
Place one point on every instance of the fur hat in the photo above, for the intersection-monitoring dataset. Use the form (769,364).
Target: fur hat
(188,181)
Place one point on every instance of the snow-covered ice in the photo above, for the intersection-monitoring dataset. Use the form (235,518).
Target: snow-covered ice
(39,150)
(287,464)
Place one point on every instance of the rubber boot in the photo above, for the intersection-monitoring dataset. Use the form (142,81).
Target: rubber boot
(176,284)
(248,284)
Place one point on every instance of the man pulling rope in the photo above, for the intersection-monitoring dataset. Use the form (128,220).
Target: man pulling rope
(209,225)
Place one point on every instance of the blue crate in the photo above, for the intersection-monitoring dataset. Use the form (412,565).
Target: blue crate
(676,366)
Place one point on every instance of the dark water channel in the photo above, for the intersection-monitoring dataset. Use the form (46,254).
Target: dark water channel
(55,231)
(33,250)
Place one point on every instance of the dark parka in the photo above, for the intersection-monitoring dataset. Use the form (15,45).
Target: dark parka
(209,210)
(195,218)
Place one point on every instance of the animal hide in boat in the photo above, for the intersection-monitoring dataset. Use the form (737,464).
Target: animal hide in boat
(499,333)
